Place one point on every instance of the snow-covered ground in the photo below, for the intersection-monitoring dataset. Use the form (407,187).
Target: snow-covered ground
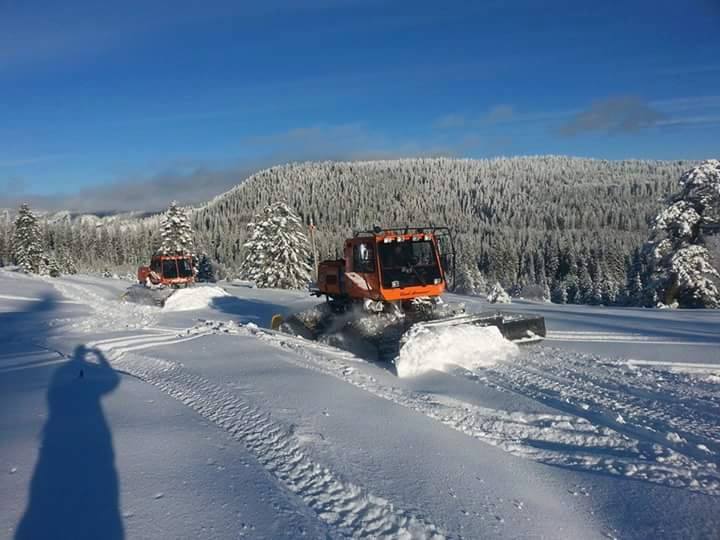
(126,420)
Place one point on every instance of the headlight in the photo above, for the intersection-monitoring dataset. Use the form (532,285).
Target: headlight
(437,281)
(395,284)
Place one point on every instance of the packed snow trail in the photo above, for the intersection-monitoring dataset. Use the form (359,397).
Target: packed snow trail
(605,424)
(345,506)
(585,436)
(586,389)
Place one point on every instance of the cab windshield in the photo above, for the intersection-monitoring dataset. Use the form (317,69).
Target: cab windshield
(169,269)
(408,264)
(185,268)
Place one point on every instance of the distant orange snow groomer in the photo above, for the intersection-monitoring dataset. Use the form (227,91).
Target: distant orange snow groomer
(169,270)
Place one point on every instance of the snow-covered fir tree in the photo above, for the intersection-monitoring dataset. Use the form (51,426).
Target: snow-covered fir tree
(560,294)
(27,241)
(681,272)
(177,232)
(497,295)
(547,295)
(51,267)
(610,292)
(66,262)
(464,283)
(469,280)
(277,251)
(5,238)
(205,270)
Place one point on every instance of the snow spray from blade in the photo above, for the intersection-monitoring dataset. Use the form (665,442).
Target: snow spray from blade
(442,348)
(193,298)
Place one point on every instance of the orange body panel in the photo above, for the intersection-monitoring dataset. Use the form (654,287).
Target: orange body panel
(329,276)
(357,280)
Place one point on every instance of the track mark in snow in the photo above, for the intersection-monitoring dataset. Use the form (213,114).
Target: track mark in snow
(140,342)
(655,400)
(345,506)
(30,299)
(691,367)
(606,399)
(585,435)
(602,337)
(29,360)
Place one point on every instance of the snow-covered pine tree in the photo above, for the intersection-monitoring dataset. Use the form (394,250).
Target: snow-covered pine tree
(464,281)
(277,251)
(546,292)
(51,265)
(66,262)
(585,287)
(596,296)
(610,292)
(497,295)
(633,291)
(480,282)
(560,294)
(578,297)
(680,268)
(5,238)
(204,268)
(469,279)
(27,242)
(177,233)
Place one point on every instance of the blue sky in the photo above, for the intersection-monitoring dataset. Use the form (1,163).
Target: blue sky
(99,101)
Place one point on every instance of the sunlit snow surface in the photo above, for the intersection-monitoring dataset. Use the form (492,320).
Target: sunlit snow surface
(222,428)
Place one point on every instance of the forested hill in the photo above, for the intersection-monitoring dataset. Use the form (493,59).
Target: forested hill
(517,217)
(521,220)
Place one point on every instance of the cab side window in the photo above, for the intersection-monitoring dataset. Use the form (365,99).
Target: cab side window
(364,258)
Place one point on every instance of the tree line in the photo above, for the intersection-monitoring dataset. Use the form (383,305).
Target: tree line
(570,226)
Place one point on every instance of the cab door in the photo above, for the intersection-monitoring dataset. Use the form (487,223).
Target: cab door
(361,275)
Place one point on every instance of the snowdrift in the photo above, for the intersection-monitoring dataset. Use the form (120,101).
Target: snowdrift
(443,348)
(193,298)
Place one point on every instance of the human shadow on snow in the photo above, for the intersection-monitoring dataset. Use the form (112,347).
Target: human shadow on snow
(74,491)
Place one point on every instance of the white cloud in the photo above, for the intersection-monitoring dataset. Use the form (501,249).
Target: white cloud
(500,113)
(450,121)
(622,114)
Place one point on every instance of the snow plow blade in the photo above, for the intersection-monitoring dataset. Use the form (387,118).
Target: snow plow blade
(514,327)
(139,294)
(520,328)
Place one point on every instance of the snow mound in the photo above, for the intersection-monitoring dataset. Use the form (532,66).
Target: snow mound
(443,348)
(193,298)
